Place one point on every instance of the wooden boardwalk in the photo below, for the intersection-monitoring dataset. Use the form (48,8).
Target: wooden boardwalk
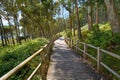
(65,64)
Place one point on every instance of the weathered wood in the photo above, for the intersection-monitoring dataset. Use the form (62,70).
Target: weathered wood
(85,50)
(99,62)
(33,73)
(111,54)
(91,56)
(110,70)
(76,46)
(98,59)
(80,49)
(18,67)
(81,42)
(91,46)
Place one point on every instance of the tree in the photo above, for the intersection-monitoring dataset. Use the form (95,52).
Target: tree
(10,29)
(68,5)
(79,28)
(89,9)
(1,33)
(97,20)
(113,15)
(4,42)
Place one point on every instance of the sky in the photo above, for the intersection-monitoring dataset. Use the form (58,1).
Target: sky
(63,12)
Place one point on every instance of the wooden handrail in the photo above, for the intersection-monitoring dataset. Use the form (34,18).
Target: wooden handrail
(18,67)
(22,64)
(110,70)
(98,59)
(111,54)
(91,46)
(33,73)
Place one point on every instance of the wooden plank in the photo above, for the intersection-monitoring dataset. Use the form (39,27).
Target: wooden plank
(81,42)
(111,54)
(91,56)
(80,50)
(98,59)
(85,51)
(33,73)
(110,70)
(91,46)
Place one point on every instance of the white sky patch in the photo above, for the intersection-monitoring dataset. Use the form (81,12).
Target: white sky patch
(5,22)
(55,0)
(20,16)
(63,13)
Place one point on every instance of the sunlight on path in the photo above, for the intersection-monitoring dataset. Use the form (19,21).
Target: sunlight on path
(65,64)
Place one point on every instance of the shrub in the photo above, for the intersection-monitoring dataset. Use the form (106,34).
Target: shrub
(101,38)
(12,56)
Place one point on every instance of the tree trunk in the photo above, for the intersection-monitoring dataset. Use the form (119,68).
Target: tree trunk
(70,16)
(97,16)
(3,31)
(11,31)
(16,29)
(113,15)
(97,20)
(74,21)
(7,38)
(78,28)
(90,22)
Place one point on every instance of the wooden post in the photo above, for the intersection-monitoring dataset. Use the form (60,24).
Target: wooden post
(76,45)
(69,41)
(85,50)
(72,43)
(98,59)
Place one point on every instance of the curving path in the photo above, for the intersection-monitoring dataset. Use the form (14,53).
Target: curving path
(66,65)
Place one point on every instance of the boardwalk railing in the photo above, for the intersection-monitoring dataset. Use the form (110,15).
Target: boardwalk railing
(98,58)
(44,52)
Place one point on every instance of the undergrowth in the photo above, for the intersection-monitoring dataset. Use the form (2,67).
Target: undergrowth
(11,56)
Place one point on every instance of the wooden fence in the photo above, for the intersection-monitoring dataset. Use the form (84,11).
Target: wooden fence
(45,54)
(98,53)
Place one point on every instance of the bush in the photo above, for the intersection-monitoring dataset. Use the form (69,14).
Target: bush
(115,40)
(12,56)
(101,38)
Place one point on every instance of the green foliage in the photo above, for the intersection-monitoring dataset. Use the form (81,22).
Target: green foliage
(69,33)
(66,33)
(105,26)
(86,33)
(104,39)
(12,56)
(115,40)
(100,38)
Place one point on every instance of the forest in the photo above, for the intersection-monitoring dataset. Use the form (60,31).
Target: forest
(32,23)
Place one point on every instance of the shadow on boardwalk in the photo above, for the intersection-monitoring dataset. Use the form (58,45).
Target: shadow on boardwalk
(66,65)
